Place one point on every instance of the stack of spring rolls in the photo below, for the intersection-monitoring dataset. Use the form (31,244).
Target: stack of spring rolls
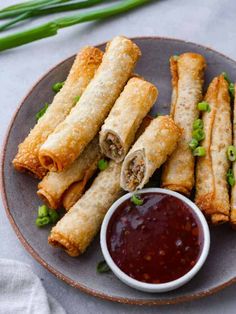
(110,120)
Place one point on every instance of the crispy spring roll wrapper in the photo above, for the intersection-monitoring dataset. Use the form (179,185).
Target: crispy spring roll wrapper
(149,152)
(53,188)
(130,108)
(211,172)
(233,190)
(82,71)
(75,231)
(187,80)
(70,138)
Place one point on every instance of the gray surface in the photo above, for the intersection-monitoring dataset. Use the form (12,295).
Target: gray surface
(207,22)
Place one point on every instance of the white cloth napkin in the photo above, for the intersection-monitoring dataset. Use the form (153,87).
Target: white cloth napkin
(21,291)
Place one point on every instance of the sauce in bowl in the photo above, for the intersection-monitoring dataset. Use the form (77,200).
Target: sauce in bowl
(156,242)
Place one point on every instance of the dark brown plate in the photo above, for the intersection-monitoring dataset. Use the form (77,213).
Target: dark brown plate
(21,202)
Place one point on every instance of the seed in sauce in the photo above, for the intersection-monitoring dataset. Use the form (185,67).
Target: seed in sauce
(156,242)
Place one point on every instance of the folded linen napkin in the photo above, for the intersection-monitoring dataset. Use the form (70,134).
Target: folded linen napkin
(21,291)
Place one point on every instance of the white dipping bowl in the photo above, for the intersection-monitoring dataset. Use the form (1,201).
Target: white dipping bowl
(149,287)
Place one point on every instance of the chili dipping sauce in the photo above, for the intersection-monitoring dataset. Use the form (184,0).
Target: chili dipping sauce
(156,242)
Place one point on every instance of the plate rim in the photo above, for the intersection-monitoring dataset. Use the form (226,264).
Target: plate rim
(40,260)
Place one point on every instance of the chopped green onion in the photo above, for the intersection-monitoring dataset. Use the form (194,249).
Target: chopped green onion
(102,164)
(53,215)
(231,153)
(46,216)
(102,267)
(43,221)
(41,112)
(203,106)
(199,151)
(136,200)
(42,211)
(77,98)
(193,144)
(226,77)
(198,135)
(198,124)
(230,177)
(57,86)
(231,90)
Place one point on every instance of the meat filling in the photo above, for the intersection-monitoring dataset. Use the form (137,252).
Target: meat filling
(113,146)
(135,172)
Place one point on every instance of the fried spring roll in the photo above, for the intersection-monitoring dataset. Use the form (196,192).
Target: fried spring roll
(66,187)
(70,138)
(187,80)
(211,173)
(130,108)
(82,71)
(75,231)
(149,152)
(233,190)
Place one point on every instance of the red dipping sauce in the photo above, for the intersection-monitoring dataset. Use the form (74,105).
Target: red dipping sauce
(156,242)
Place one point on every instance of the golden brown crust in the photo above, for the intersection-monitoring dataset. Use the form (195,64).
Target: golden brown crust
(82,71)
(211,182)
(67,186)
(149,152)
(233,190)
(187,78)
(174,82)
(76,190)
(130,108)
(75,231)
(70,138)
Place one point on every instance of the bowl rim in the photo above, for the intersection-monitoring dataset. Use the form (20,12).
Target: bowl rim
(159,287)
(57,273)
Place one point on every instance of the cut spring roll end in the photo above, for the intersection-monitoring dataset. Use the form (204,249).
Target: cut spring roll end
(149,152)
(134,171)
(112,146)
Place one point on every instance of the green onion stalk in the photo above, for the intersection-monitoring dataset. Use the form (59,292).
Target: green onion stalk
(51,28)
(13,11)
(27,14)
(26,5)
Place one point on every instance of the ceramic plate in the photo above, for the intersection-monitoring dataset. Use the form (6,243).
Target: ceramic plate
(21,201)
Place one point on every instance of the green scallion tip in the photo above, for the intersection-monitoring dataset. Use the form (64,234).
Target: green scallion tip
(198,134)
(41,112)
(102,164)
(136,200)
(102,267)
(230,177)
(193,144)
(57,86)
(198,124)
(199,151)
(231,153)
(203,106)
